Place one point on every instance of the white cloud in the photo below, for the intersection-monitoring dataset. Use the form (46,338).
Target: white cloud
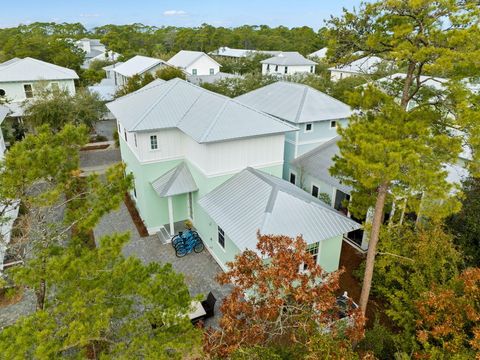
(90,15)
(174,13)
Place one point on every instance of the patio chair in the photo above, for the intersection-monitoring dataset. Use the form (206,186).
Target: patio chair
(209,305)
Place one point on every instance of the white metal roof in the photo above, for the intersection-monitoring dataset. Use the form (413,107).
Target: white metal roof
(288,58)
(203,115)
(254,201)
(29,69)
(209,79)
(176,181)
(185,58)
(238,53)
(296,103)
(137,65)
(365,65)
(322,53)
(319,160)
(3,113)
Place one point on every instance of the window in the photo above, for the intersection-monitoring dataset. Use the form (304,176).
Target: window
(221,237)
(125,134)
(212,71)
(333,124)
(135,139)
(313,250)
(55,86)
(134,188)
(276,67)
(28,90)
(315,191)
(153,142)
(2,92)
(268,67)
(286,69)
(308,127)
(312,69)
(293,178)
(119,130)
(194,71)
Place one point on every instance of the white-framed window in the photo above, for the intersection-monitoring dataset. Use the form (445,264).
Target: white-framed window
(28,88)
(135,139)
(153,142)
(312,250)
(293,178)
(333,124)
(221,237)
(212,71)
(276,67)
(308,127)
(312,69)
(286,69)
(268,67)
(119,130)
(194,71)
(125,134)
(315,191)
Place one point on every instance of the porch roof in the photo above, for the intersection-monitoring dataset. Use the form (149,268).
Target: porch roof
(176,181)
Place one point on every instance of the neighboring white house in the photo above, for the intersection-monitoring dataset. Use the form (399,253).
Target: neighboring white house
(287,63)
(319,54)
(19,77)
(3,113)
(95,50)
(195,63)
(364,66)
(225,51)
(138,65)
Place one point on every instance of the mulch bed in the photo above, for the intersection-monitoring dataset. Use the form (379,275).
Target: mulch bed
(10,300)
(351,260)
(94,147)
(137,220)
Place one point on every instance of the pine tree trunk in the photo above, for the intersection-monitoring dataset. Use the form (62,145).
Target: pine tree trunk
(40,294)
(372,246)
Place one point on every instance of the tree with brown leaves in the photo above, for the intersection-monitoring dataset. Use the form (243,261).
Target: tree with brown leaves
(281,298)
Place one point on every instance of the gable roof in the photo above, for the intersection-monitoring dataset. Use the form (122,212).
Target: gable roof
(137,65)
(185,58)
(254,201)
(203,115)
(176,181)
(365,65)
(319,160)
(238,53)
(322,53)
(3,113)
(297,103)
(288,58)
(29,69)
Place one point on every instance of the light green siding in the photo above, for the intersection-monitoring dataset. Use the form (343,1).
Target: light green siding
(330,249)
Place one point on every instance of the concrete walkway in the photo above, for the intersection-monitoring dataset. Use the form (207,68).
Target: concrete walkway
(200,270)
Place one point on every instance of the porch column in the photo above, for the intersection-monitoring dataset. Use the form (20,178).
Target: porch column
(170,215)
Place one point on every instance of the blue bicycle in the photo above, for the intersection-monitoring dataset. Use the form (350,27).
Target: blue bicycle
(186,242)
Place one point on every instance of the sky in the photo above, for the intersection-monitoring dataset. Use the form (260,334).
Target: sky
(188,13)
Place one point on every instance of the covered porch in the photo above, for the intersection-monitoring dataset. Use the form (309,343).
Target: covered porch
(175,183)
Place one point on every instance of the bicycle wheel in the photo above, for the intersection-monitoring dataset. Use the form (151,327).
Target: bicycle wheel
(176,240)
(199,246)
(180,251)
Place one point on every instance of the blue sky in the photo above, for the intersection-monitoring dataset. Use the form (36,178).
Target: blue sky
(179,12)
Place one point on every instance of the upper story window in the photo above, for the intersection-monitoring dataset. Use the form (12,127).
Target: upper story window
(221,237)
(135,139)
(153,142)
(333,124)
(194,71)
(293,178)
(268,67)
(125,134)
(212,71)
(315,191)
(28,90)
(276,67)
(312,69)
(286,69)
(308,127)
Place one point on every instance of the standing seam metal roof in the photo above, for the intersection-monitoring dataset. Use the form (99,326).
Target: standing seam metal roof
(203,115)
(176,181)
(137,65)
(29,69)
(3,113)
(289,58)
(297,103)
(254,201)
(185,58)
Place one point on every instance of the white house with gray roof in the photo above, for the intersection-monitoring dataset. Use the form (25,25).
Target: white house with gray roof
(181,141)
(20,78)
(195,63)
(288,63)
(225,51)
(361,67)
(137,65)
(317,115)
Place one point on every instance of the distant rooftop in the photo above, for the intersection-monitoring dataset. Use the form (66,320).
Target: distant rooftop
(297,103)
(288,58)
(185,58)
(29,69)
(322,53)
(239,53)
(365,65)
(137,65)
